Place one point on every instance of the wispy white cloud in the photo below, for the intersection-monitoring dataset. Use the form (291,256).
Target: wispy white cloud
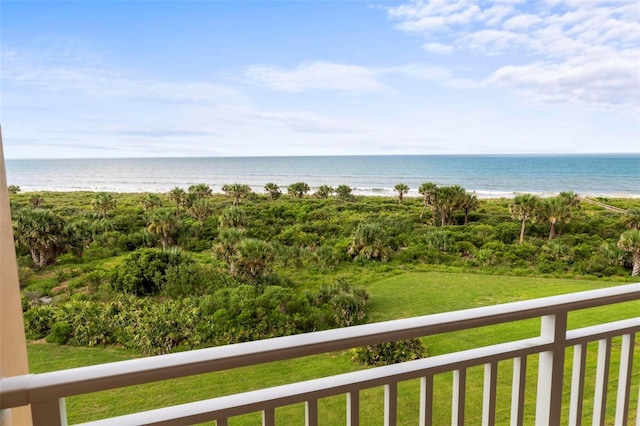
(437,48)
(316,76)
(87,76)
(340,77)
(550,51)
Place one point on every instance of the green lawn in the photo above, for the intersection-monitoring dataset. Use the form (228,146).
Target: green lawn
(399,296)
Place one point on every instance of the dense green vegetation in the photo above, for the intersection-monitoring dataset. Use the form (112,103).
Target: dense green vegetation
(402,295)
(154,273)
(225,268)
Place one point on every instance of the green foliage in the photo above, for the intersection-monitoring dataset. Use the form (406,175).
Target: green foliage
(144,272)
(389,353)
(346,303)
(344,192)
(298,189)
(273,190)
(43,233)
(60,333)
(369,241)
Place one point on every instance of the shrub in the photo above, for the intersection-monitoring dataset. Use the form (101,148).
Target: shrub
(38,321)
(389,352)
(346,303)
(144,272)
(60,333)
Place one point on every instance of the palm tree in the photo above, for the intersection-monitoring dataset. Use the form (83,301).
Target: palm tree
(571,199)
(232,217)
(446,200)
(200,190)
(36,200)
(225,249)
(200,209)
(428,191)
(237,191)
(163,225)
(151,201)
(469,202)
(369,241)
(42,232)
(254,258)
(401,189)
(344,192)
(324,191)
(103,202)
(555,210)
(632,218)
(630,242)
(298,189)
(523,208)
(273,190)
(178,195)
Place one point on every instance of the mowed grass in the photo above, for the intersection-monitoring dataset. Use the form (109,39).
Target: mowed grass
(401,296)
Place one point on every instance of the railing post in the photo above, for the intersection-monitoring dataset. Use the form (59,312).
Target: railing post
(49,413)
(551,370)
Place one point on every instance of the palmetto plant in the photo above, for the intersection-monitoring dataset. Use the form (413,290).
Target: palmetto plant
(555,210)
(369,241)
(523,208)
(103,203)
(401,189)
(344,192)
(162,223)
(200,190)
(630,242)
(298,189)
(428,191)
(324,191)
(179,196)
(151,201)
(237,191)
(42,232)
(273,190)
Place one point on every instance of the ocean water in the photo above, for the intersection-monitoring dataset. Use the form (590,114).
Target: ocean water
(612,175)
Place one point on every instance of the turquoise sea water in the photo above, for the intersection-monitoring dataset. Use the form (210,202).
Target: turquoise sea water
(614,175)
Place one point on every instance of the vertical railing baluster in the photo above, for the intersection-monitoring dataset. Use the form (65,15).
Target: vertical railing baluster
(311,412)
(390,404)
(638,409)
(517,390)
(602,382)
(353,408)
(489,394)
(459,396)
(624,380)
(269,417)
(577,385)
(551,370)
(426,401)
(49,413)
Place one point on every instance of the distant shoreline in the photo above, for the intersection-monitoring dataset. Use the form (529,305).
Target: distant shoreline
(491,177)
(412,194)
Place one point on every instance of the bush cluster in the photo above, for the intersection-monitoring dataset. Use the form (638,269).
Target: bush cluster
(228,315)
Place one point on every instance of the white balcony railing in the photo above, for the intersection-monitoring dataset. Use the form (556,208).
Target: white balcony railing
(46,392)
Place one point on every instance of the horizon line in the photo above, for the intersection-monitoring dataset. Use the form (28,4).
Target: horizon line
(562,154)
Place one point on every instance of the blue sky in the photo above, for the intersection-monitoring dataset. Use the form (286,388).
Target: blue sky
(252,78)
